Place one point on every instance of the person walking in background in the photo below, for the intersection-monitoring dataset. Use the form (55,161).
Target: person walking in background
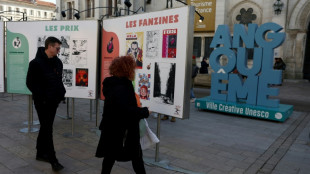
(204,66)
(44,80)
(279,65)
(120,136)
(194,74)
(166,117)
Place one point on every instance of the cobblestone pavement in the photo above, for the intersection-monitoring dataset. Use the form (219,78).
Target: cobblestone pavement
(207,142)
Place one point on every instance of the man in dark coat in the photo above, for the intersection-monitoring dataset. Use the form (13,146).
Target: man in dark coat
(120,136)
(44,80)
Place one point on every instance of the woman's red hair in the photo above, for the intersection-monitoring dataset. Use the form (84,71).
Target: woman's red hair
(123,66)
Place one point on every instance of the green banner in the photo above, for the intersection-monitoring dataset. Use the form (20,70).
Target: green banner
(17,54)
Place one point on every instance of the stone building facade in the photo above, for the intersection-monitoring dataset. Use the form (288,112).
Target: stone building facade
(95,9)
(26,10)
(294,17)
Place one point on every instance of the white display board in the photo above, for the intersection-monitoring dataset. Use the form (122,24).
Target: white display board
(161,44)
(78,53)
(1,57)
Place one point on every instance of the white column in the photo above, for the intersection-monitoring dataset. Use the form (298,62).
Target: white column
(220,13)
(203,42)
(59,6)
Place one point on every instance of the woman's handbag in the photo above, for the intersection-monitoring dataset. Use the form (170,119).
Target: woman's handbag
(147,137)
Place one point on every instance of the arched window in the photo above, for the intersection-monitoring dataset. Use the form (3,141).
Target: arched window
(246,16)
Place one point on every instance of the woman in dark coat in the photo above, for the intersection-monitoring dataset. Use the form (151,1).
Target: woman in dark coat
(120,138)
(204,66)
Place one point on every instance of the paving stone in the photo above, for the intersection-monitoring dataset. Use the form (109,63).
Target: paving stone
(198,167)
(89,171)
(14,163)
(5,170)
(237,171)
(215,171)
(27,169)
(238,164)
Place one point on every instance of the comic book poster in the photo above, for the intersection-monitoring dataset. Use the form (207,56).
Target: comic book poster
(152,44)
(169,43)
(164,83)
(81,77)
(67,77)
(134,45)
(144,86)
(79,52)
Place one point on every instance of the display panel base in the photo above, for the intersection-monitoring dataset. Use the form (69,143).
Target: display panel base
(275,114)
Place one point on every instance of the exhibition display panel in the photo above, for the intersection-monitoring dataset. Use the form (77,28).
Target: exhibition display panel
(161,44)
(78,54)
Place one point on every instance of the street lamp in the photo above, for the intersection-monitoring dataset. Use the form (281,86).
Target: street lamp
(201,18)
(277,6)
(24,13)
(77,15)
(6,18)
(127,3)
(63,13)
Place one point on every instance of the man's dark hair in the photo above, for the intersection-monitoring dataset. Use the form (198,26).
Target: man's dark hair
(135,43)
(51,41)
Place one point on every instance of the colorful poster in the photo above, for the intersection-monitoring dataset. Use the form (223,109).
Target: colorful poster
(170,43)
(134,45)
(78,54)
(110,50)
(81,77)
(144,86)
(162,48)
(1,57)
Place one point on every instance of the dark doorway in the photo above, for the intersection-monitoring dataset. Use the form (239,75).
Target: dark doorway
(208,50)
(306,69)
(197,47)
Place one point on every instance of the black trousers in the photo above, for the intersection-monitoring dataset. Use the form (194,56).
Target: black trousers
(137,164)
(46,113)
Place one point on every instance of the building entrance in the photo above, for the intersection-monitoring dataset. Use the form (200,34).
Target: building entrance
(306,68)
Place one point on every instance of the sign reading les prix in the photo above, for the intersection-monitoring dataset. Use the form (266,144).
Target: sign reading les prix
(205,8)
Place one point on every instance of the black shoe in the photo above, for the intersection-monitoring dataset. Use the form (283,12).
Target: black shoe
(43,158)
(56,166)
